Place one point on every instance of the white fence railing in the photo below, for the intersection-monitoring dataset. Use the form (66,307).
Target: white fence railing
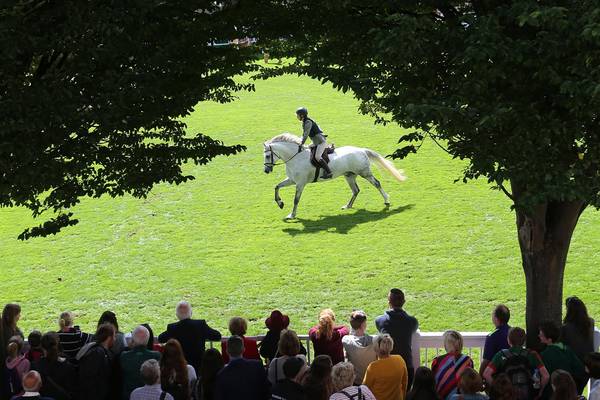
(427,345)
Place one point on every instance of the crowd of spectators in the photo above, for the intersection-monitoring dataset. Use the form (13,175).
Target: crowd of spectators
(349,363)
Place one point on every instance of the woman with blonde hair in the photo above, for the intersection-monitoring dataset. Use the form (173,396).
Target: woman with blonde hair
(448,367)
(342,376)
(70,336)
(326,337)
(387,377)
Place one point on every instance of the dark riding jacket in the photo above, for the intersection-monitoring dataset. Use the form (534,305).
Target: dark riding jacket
(312,130)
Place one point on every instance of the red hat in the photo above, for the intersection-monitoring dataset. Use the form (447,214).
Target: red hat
(277,321)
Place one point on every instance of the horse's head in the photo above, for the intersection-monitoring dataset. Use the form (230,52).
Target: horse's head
(269,158)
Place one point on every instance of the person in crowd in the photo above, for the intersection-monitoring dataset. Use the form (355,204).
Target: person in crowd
(192,334)
(70,336)
(557,355)
(212,363)
(423,387)
(470,384)
(10,318)
(502,388)
(152,390)
(32,381)
(176,374)
(289,346)
(342,376)
(359,345)
(290,388)
(276,323)
(152,345)
(35,351)
(497,340)
(563,386)
(448,368)
(16,366)
(577,331)
(523,365)
(326,337)
(387,377)
(400,326)
(132,360)
(109,317)
(59,376)
(238,327)
(96,365)
(592,367)
(241,378)
(317,382)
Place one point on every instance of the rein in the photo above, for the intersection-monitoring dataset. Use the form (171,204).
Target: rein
(273,164)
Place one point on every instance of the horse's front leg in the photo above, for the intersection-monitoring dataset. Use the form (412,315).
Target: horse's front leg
(299,189)
(284,183)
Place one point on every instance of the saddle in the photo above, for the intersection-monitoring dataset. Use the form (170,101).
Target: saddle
(330,149)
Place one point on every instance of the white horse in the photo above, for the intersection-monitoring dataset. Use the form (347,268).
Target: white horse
(347,161)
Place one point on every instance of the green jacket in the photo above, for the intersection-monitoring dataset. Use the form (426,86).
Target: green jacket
(131,361)
(560,356)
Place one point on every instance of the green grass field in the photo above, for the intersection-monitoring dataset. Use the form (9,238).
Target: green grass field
(221,242)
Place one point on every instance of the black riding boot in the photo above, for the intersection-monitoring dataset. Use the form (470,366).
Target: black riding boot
(325,166)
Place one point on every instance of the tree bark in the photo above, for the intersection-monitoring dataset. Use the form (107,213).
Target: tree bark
(544,233)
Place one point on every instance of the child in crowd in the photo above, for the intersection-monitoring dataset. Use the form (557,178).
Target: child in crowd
(469,385)
(35,351)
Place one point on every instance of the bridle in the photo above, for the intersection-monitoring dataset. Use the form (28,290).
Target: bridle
(272,159)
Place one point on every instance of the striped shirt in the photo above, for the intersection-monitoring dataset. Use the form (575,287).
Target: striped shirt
(447,370)
(149,392)
(72,341)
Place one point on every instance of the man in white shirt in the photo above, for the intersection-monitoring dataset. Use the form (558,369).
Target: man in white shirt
(358,345)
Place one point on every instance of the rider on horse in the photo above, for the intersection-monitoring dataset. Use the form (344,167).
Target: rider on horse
(312,130)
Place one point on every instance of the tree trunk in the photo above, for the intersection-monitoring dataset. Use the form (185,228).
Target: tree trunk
(545,233)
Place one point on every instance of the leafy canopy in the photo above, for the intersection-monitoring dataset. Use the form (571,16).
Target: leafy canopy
(511,86)
(92,94)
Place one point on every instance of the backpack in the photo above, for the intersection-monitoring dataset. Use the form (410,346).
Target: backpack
(518,369)
(357,396)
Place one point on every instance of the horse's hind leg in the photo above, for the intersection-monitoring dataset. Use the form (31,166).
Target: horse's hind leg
(351,179)
(377,184)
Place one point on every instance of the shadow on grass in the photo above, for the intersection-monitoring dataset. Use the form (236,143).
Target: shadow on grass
(342,223)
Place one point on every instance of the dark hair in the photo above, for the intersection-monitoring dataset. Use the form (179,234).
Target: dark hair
(238,326)
(50,343)
(289,344)
(104,331)
(150,345)
(516,336)
(577,315)
(592,362)
(212,363)
(470,381)
(318,383)
(235,346)
(502,313)
(502,388)
(396,298)
(172,363)
(564,386)
(109,317)
(9,321)
(357,318)
(292,366)
(34,339)
(423,386)
(550,330)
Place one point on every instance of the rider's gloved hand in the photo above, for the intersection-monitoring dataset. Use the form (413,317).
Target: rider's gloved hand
(299,148)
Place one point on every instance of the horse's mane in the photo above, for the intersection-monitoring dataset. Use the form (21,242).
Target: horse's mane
(285,137)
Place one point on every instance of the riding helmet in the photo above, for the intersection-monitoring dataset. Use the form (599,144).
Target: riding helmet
(302,111)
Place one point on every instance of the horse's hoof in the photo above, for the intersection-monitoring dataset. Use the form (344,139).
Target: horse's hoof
(280,204)
(290,216)
(387,205)
(346,207)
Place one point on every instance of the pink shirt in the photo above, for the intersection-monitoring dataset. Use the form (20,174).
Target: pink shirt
(332,347)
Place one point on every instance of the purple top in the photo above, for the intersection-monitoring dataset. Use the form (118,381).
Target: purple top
(495,342)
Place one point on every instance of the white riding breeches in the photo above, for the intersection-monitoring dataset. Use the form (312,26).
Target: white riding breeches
(320,149)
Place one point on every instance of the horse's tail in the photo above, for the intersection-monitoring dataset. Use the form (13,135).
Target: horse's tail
(385,164)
